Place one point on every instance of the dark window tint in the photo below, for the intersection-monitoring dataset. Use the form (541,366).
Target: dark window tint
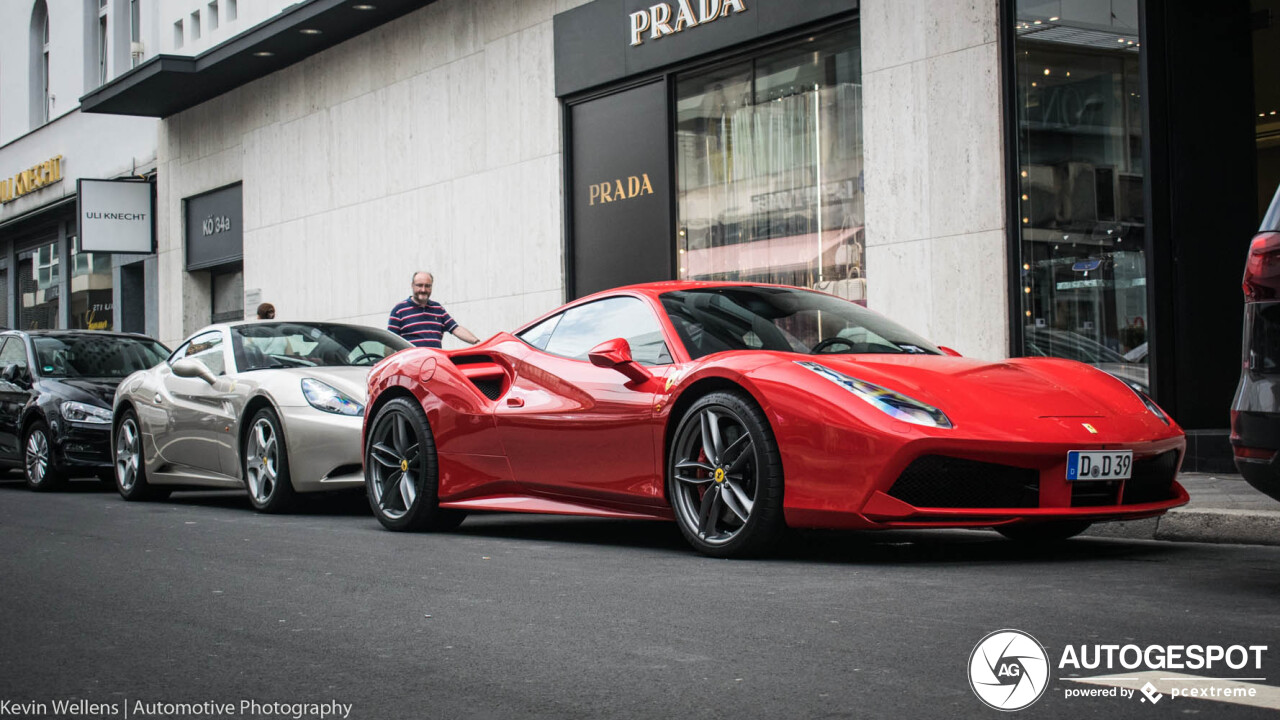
(1264,339)
(783,320)
(1271,221)
(94,355)
(586,326)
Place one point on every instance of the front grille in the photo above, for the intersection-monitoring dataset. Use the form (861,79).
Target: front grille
(937,481)
(1152,479)
(1094,493)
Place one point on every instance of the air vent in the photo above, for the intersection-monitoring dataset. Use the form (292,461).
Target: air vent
(489,377)
(937,481)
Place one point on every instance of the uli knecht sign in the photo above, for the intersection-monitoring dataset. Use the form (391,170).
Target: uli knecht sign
(114,216)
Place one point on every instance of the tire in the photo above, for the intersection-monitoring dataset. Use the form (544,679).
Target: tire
(41,473)
(264,459)
(400,471)
(130,468)
(724,477)
(1044,533)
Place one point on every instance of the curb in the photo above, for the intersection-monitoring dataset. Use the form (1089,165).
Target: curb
(1245,527)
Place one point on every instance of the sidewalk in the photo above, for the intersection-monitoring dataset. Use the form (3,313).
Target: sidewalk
(1223,509)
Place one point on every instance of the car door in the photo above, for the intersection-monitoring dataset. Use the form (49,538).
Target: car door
(14,393)
(192,413)
(570,428)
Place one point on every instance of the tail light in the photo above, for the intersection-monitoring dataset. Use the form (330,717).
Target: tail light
(1249,453)
(1262,268)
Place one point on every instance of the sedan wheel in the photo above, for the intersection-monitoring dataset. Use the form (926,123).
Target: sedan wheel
(40,471)
(724,477)
(400,470)
(130,472)
(266,464)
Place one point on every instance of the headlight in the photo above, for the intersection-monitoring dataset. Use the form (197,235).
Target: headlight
(895,405)
(85,413)
(323,396)
(1151,404)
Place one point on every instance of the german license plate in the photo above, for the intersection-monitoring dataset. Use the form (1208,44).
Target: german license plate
(1099,464)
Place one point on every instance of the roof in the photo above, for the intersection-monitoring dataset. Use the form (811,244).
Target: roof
(168,84)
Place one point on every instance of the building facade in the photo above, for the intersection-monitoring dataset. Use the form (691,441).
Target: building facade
(1005,178)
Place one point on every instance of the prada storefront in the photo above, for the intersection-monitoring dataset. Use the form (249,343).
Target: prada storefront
(713,140)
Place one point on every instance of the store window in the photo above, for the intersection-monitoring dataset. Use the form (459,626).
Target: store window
(91,290)
(1082,234)
(769,168)
(38,276)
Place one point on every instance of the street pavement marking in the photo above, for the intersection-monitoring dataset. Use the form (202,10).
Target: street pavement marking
(1165,682)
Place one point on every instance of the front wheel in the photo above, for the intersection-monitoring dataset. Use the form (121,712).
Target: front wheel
(130,471)
(1044,533)
(400,470)
(41,473)
(265,461)
(724,477)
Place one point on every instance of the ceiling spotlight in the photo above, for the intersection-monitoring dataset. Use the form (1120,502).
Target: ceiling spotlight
(1053,19)
(263,53)
(310,31)
(364,6)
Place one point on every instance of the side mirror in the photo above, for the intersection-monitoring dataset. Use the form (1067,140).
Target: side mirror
(9,373)
(616,354)
(949,351)
(188,368)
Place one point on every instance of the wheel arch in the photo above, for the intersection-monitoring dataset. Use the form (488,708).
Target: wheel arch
(695,391)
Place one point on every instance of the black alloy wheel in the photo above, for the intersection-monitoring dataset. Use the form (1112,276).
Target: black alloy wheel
(130,470)
(400,469)
(41,473)
(724,477)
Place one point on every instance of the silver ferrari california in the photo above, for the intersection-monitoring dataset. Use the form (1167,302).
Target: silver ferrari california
(271,407)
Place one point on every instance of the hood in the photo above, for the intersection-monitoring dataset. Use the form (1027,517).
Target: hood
(979,390)
(94,391)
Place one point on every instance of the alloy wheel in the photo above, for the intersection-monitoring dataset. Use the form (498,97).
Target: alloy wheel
(396,454)
(128,454)
(262,460)
(716,475)
(37,457)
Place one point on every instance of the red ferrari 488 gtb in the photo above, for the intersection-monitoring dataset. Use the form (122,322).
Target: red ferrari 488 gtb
(738,410)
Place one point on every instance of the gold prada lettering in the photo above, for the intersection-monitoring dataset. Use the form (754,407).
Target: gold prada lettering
(32,179)
(619,189)
(657,19)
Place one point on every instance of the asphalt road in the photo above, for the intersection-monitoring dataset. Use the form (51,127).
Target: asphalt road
(200,600)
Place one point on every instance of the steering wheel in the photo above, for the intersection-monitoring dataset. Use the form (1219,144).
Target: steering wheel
(831,341)
(373,359)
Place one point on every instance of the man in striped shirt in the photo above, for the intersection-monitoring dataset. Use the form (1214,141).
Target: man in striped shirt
(421,320)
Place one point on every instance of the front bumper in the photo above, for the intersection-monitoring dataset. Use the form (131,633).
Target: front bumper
(81,446)
(324,449)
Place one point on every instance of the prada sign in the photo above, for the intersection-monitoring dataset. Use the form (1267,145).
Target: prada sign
(663,19)
(115,216)
(33,178)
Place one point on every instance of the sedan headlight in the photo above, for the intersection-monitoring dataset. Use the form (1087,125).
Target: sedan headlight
(894,404)
(85,413)
(323,396)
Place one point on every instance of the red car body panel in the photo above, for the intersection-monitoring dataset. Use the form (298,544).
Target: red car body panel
(557,435)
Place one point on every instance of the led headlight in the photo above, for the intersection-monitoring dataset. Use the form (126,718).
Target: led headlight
(323,396)
(1151,404)
(85,413)
(894,404)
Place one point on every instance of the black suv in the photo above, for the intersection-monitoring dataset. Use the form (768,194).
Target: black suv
(1255,412)
(56,388)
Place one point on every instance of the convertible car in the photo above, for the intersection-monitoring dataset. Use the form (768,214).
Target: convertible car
(738,410)
(271,407)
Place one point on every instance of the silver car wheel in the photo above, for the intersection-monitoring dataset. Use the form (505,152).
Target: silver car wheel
(394,472)
(128,454)
(37,457)
(262,460)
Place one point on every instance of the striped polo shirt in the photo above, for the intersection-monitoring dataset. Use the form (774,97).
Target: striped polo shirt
(422,326)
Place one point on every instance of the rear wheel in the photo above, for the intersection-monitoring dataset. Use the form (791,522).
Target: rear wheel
(265,461)
(41,473)
(401,473)
(130,471)
(724,477)
(1043,533)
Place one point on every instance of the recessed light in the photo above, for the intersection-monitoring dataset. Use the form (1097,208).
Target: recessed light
(364,6)
(310,31)
(263,53)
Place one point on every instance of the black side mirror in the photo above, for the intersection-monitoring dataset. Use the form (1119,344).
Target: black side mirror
(16,374)
(9,372)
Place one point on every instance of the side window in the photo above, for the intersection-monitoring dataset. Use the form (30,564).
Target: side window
(583,327)
(539,334)
(206,349)
(14,352)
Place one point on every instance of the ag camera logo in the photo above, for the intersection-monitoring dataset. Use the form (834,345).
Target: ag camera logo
(1008,670)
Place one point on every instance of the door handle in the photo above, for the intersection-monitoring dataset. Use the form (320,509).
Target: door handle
(158,399)
(515,402)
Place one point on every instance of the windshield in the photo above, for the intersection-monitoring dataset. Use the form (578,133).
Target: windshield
(783,319)
(95,356)
(262,346)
